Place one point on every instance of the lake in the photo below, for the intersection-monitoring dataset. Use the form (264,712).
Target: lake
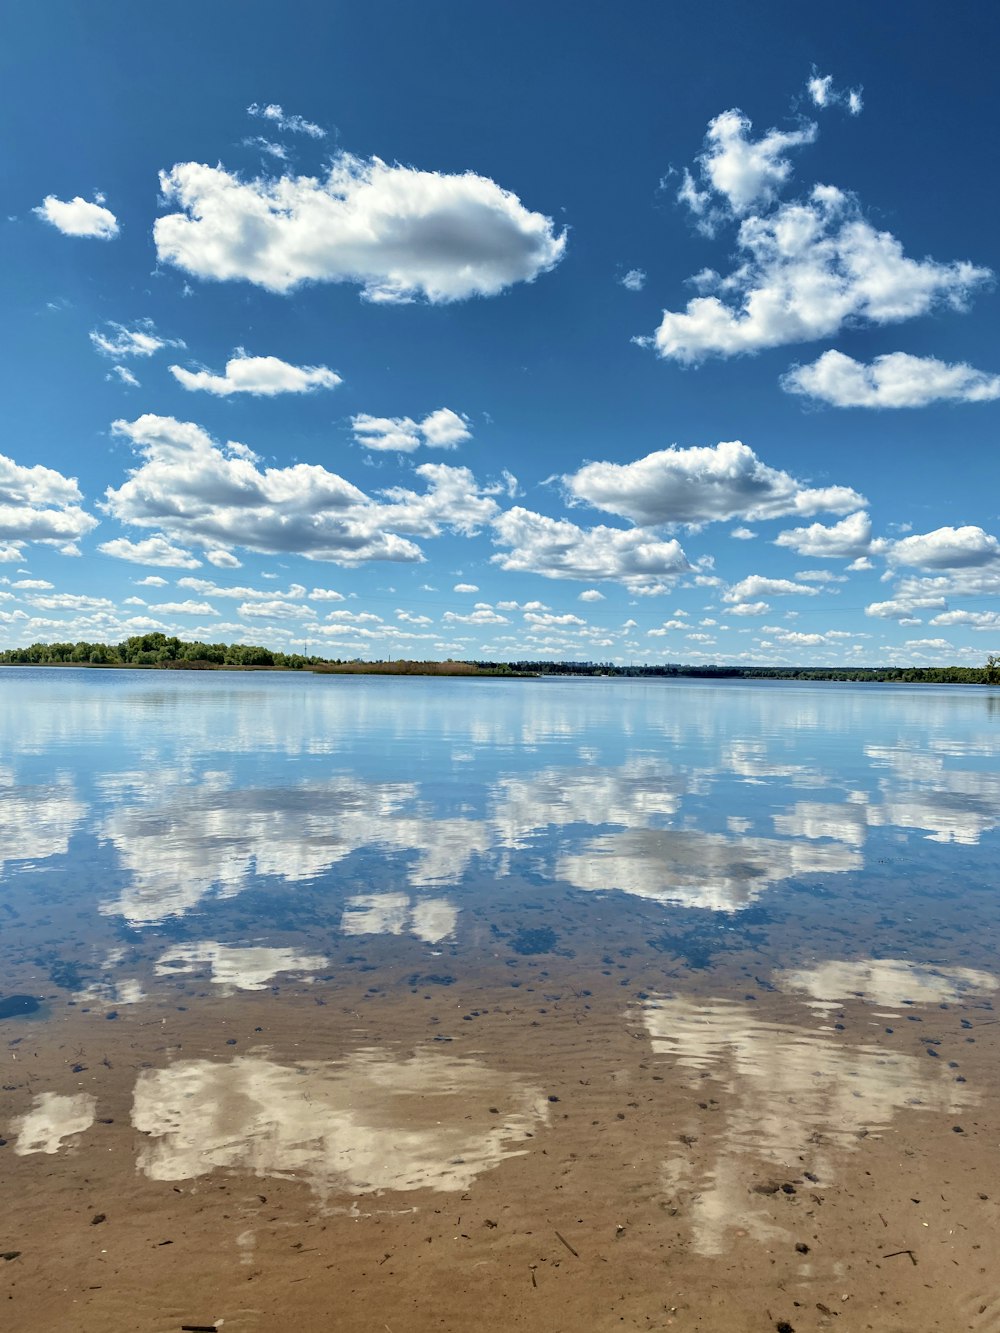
(536,1004)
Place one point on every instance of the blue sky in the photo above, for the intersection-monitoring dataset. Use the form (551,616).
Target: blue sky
(656,334)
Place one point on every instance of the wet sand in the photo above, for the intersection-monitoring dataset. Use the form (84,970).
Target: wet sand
(661,1147)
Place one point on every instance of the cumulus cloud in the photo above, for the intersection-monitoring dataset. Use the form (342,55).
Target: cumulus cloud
(822,93)
(903,608)
(219,496)
(466,587)
(807,269)
(748,609)
(634,280)
(79,217)
(946,548)
(39,504)
(757,585)
(292,124)
(893,380)
(156,550)
(187,608)
(980,620)
(399,233)
(850,539)
(262,376)
(558,549)
(702,485)
(739,170)
(443,429)
(275,610)
(121,340)
(591,595)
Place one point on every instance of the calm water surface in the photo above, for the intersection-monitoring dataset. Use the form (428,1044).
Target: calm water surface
(718,871)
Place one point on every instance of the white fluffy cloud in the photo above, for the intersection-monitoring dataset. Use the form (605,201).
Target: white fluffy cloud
(558,549)
(294,124)
(218,495)
(822,93)
(41,505)
(903,608)
(850,539)
(744,172)
(893,380)
(443,429)
(397,232)
(262,376)
(702,485)
(981,620)
(119,340)
(79,217)
(156,550)
(591,595)
(946,548)
(757,585)
(634,280)
(806,270)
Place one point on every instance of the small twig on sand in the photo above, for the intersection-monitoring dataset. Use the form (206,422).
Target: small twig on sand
(559,1236)
(896,1253)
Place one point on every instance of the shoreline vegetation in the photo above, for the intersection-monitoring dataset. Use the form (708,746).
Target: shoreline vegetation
(162,652)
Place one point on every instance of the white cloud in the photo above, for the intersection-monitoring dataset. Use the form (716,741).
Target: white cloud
(757,585)
(904,607)
(188,608)
(591,595)
(124,375)
(748,609)
(979,620)
(35,585)
(466,587)
(325,595)
(218,495)
(850,538)
(743,534)
(702,485)
(819,576)
(156,550)
(223,559)
(151,581)
(893,380)
(823,94)
(806,270)
(78,217)
(634,280)
(293,124)
(745,172)
(443,429)
(38,504)
(275,611)
(118,340)
(399,233)
(296,592)
(266,146)
(558,549)
(262,376)
(946,548)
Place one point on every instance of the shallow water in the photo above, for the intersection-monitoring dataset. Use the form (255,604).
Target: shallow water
(713,954)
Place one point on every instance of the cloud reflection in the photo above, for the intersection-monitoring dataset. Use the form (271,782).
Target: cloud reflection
(369,1123)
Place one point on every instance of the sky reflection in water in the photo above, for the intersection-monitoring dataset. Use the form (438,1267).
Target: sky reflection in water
(239,830)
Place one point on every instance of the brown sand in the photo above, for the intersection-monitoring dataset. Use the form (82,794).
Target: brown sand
(569,1159)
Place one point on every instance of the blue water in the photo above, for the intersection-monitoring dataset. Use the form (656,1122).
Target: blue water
(148,813)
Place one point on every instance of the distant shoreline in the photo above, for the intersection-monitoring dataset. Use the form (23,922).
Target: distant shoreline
(159,652)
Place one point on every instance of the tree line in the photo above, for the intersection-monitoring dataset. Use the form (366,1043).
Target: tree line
(168,651)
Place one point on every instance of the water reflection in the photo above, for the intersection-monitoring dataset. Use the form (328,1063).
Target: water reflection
(793,1098)
(53,1118)
(707,870)
(232,968)
(369,1123)
(37,821)
(892,982)
(429,919)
